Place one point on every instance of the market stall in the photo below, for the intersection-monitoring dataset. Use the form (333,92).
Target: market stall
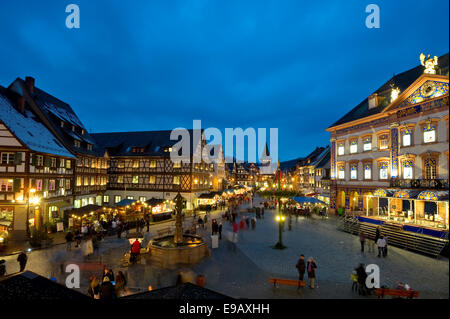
(161,209)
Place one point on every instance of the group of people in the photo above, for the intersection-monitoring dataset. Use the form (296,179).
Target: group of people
(216,228)
(22,259)
(309,267)
(109,287)
(380,240)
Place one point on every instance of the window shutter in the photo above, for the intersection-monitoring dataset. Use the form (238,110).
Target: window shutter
(16,185)
(18,158)
(58,162)
(33,159)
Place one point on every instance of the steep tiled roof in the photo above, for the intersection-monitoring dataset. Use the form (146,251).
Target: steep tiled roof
(56,111)
(122,143)
(401,81)
(28,127)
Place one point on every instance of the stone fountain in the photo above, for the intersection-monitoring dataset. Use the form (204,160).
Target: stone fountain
(171,250)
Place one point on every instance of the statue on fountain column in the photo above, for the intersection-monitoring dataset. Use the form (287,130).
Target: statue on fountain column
(178,237)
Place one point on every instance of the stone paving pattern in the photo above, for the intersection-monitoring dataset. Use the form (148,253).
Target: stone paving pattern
(244,272)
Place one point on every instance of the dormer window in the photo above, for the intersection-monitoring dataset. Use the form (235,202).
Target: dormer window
(76,143)
(89,147)
(73,128)
(82,131)
(62,123)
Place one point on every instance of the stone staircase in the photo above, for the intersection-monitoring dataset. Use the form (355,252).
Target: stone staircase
(428,245)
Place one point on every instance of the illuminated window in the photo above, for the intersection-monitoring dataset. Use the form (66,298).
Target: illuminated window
(78,183)
(135,164)
(429,134)
(119,179)
(341,150)
(76,143)
(407,138)
(121,164)
(105,199)
(353,146)
(177,165)
(117,199)
(367,171)
(152,180)
(176,180)
(152,164)
(367,144)
(135,179)
(430,168)
(383,142)
(341,172)
(354,171)
(408,169)
(384,170)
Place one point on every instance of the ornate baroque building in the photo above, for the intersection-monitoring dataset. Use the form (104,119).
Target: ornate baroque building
(390,154)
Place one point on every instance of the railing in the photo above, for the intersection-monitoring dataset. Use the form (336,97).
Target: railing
(419,183)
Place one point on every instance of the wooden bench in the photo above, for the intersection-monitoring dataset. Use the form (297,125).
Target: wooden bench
(381,292)
(288,282)
(164,231)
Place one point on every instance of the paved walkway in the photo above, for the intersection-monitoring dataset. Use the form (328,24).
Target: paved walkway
(244,273)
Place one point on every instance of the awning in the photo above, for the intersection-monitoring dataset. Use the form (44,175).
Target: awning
(406,193)
(383,193)
(433,195)
(207,196)
(125,202)
(311,200)
(155,201)
(311,194)
(85,209)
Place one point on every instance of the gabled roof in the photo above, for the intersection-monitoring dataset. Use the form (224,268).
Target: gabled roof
(55,111)
(289,165)
(324,162)
(30,286)
(401,81)
(154,143)
(27,127)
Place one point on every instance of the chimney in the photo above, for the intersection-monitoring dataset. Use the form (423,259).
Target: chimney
(373,101)
(29,81)
(21,104)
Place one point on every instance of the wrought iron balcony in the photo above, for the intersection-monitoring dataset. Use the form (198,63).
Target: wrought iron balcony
(419,183)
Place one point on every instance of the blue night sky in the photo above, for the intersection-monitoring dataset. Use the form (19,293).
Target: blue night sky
(150,65)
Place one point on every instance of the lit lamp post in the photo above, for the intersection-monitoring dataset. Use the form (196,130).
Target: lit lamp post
(34,201)
(280,219)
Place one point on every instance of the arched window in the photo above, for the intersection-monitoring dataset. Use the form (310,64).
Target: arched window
(430,168)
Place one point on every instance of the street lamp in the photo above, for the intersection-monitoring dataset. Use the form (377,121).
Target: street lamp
(35,202)
(280,219)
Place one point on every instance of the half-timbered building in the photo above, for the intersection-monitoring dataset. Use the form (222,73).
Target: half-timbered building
(36,170)
(90,169)
(140,168)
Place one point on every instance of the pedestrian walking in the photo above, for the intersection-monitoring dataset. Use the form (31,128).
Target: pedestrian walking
(311,267)
(301,267)
(354,279)
(121,284)
(69,240)
(94,287)
(377,234)
(107,290)
(362,275)
(381,243)
(135,251)
(362,240)
(219,229)
(22,259)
